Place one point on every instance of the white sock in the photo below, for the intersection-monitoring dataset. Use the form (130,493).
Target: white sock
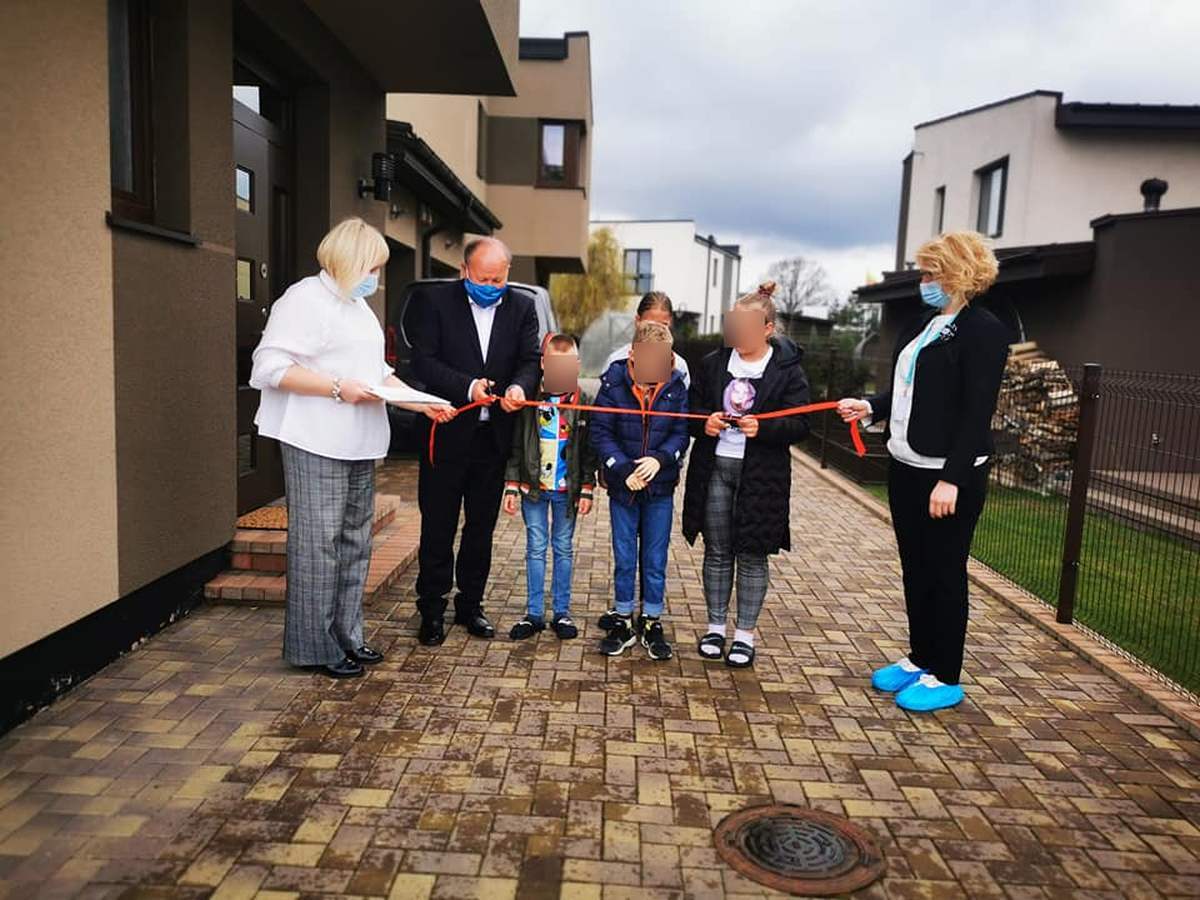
(716,629)
(907,666)
(746,637)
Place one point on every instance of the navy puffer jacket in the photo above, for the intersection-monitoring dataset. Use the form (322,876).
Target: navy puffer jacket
(620,440)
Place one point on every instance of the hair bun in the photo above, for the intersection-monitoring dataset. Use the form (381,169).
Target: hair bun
(767,289)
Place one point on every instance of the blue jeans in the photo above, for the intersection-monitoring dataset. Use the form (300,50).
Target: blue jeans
(650,520)
(538,533)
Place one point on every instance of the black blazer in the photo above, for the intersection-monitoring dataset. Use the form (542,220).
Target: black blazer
(761,522)
(446,358)
(955,385)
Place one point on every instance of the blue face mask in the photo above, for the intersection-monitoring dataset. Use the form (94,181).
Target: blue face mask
(366,287)
(933,295)
(484,294)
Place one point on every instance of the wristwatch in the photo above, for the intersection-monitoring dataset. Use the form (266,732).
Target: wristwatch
(336,391)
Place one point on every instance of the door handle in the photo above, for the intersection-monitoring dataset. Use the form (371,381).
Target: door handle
(264,312)
(263,270)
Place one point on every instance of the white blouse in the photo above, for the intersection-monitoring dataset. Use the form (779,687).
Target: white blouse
(314,326)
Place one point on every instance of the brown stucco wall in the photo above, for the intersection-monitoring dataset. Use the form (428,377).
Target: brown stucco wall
(58,542)
(174,339)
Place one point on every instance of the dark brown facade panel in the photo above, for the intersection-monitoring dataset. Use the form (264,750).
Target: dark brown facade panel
(512,150)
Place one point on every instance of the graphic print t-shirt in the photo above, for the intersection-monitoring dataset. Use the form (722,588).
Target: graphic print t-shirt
(553,431)
(738,399)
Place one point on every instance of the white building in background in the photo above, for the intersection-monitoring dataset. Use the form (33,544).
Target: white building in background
(700,275)
(1033,170)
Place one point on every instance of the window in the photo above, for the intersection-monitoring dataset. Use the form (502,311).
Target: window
(638,277)
(993,184)
(130,125)
(939,210)
(243,188)
(716,265)
(558,154)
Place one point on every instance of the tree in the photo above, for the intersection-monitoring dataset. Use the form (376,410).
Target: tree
(801,282)
(581,299)
(853,315)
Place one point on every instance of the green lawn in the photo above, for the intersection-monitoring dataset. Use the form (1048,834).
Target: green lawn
(1138,588)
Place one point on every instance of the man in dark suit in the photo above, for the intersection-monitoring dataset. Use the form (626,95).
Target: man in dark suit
(471,339)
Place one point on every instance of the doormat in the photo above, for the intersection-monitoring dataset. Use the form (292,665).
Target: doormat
(271,518)
(799,850)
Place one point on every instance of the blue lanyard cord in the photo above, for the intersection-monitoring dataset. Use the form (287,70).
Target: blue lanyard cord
(926,338)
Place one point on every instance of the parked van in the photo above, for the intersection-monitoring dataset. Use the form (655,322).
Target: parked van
(398,349)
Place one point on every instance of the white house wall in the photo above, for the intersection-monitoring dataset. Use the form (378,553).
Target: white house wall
(1058,179)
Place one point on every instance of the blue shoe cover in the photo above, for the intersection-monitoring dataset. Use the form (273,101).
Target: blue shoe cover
(920,697)
(894,678)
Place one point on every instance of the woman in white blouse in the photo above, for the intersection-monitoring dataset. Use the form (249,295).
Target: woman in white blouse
(320,354)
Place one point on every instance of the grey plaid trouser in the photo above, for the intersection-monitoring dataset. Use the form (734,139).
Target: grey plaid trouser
(331,504)
(753,576)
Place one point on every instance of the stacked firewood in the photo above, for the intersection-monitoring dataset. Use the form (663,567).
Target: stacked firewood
(1035,423)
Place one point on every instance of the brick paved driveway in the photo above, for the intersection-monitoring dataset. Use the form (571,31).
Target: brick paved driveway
(200,763)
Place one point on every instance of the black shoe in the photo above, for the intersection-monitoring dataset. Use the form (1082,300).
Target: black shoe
(366,656)
(477,623)
(565,628)
(347,668)
(609,620)
(526,628)
(651,633)
(432,631)
(619,638)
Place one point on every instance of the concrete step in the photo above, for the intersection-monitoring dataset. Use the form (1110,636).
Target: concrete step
(394,548)
(265,550)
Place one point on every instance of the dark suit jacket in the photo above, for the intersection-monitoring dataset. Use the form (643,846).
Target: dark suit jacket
(446,358)
(955,385)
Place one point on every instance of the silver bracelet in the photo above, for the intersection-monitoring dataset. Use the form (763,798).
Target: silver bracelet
(336,392)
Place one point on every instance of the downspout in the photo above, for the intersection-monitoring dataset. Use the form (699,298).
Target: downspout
(428,234)
(426,238)
(707,279)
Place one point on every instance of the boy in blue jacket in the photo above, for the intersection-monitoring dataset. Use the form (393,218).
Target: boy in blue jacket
(640,458)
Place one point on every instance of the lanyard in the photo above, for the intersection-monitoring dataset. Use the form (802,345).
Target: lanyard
(926,338)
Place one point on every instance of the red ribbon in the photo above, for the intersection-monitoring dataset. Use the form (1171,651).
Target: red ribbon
(859,447)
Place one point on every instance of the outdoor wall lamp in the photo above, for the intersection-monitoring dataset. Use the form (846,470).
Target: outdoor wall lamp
(383,174)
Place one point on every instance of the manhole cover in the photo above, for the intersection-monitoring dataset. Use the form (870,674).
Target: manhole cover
(799,850)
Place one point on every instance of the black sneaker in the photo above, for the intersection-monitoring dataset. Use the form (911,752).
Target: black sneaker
(609,620)
(565,628)
(526,628)
(651,633)
(619,638)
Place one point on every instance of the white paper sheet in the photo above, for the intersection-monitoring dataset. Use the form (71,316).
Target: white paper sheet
(394,394)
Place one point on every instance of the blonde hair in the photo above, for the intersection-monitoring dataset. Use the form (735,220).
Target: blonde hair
(652,333)
(350,250)
(763,298)
(961,262)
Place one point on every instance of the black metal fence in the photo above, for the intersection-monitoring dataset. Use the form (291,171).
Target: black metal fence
(1094,498)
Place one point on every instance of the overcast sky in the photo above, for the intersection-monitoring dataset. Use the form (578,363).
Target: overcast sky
(780,124)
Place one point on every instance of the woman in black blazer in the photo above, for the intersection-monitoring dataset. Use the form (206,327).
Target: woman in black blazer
(946,370)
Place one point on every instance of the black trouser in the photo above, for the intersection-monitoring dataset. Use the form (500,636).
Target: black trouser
(473,485)
(933,556)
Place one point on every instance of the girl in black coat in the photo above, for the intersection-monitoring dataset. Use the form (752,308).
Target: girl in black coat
(739,481)
(946,375)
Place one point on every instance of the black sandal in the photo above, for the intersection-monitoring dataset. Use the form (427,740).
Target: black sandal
(741,648)
(712,639)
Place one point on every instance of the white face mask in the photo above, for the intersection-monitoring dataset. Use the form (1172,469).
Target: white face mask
(366,287)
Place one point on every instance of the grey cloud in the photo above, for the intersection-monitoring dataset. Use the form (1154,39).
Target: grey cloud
(787,121)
